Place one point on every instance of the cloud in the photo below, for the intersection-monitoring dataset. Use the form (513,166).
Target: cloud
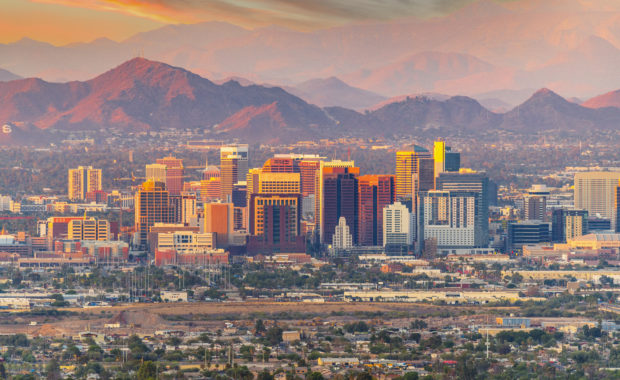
(298,14)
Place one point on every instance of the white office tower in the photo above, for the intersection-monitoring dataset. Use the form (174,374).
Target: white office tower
(398,225)
(342,237)
(450,218)
(594,192)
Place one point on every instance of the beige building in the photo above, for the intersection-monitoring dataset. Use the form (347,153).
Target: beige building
(89,229)
(594,192)
(186,241)
(591,241)
(233,167)
(82,180)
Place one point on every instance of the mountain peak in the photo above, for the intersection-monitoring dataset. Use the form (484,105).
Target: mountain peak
(610,99)
(544,92)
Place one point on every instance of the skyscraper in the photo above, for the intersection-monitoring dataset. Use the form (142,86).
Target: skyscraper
(478,183)
(594,192)
(211,172)
(424,179)
(156,173)
(305,164)
(336,196)
(183,208)
(219,218)
(275,212)
(211,189)
(83,180)
(398,225)
(407,163)
(275,223)
(445,159)
(174,174)
(152,205)
(233,167)
(342,238)
(451,218)
(375,193)
(568,224)
(535,203)
(616,214)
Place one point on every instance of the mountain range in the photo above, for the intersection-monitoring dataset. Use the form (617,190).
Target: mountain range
(487,46)
(6,76)
(142,95)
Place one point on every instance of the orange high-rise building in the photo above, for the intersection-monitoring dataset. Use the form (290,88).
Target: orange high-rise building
(219,218)
(152,205)
(174,174)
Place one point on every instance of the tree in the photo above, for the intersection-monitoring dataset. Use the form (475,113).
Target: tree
(274,335)
(247,353)
(147,371)
(259,327)
(315,376)
(410,376)
(265,375)
(418,324)
(52,370)
(363,376)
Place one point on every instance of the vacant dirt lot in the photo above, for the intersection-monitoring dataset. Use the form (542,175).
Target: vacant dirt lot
(147,318)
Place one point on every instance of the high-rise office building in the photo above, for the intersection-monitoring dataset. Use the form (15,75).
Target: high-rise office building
(279,165)
(424,179)
(174,174)
(469,181)
(445,159)
(615,220)
(184,208)
(219,218)
(233,167)
(342,238)
(156,173)
(83,180)
(304,164)
(275,212)
(526,232)
(407,163)
(275,224)
(336,196)
(594,192)
(375,192)
(568,224)
(398,225)
(451,218)
(211,172)
(308,167)
(89,229)
(211,189)
(152,205)
(239,194)
(535,203)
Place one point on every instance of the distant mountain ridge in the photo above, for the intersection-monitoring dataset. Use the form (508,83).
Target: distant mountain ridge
(485,46)
(6,76)
(142,95)
(610,99)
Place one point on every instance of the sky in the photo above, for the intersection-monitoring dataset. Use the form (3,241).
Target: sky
(67,21)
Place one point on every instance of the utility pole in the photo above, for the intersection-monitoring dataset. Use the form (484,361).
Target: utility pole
(488,337)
